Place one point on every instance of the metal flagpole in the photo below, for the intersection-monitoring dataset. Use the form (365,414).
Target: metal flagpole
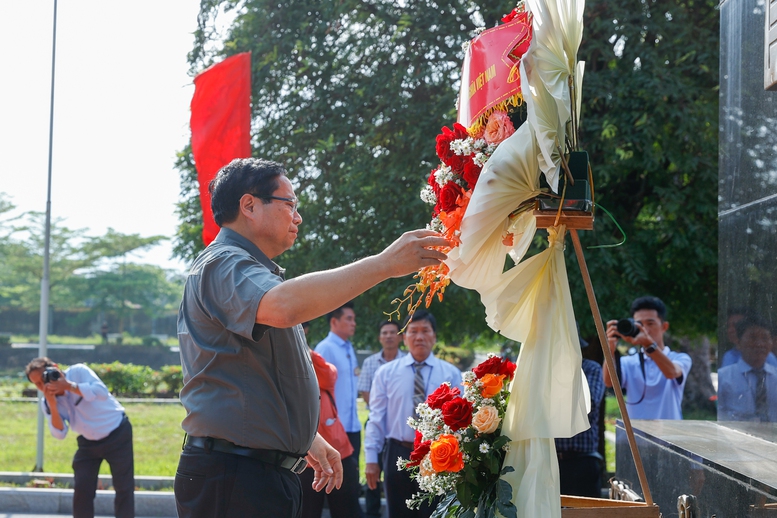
(44,283)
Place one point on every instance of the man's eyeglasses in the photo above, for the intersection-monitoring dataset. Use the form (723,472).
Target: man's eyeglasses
(294,201)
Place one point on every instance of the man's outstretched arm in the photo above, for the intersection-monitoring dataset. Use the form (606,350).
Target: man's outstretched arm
(311,295)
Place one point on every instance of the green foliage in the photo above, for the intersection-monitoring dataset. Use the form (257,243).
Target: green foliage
(459,356)
(349,96)
(125,379)
(172,378)
(649,123)
(88,273)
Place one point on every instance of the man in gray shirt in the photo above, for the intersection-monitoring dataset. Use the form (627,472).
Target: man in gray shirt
(250,391)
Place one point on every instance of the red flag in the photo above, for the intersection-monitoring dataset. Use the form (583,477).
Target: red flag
(490,78)
(221,125)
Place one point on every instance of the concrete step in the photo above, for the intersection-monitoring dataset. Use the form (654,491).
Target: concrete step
(60,501)
(65,480)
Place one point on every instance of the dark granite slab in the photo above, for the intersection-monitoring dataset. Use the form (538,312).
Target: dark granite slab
(727,466)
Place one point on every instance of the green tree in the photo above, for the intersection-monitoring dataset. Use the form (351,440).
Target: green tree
(72,252)
(650,124)
(125,288)
(349,96)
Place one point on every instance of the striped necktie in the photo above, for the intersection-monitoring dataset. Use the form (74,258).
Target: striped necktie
(761,407)
(419,389)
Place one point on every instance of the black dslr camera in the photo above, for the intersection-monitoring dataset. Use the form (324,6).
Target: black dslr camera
(51,374)
(627,327)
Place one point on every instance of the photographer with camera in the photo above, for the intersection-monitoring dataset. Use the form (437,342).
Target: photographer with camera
(78,399)
(654,377)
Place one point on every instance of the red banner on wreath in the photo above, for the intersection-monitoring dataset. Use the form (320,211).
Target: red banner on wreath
(490,74)
(221,125)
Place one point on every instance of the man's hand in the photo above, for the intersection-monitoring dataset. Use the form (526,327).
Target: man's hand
(612,335)
(372,473)
(413,251)
(325,461)
(59,387)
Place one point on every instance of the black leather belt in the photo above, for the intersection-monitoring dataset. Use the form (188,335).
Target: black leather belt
(293,463)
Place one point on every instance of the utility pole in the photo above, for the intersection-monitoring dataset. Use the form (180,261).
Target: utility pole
(44,283)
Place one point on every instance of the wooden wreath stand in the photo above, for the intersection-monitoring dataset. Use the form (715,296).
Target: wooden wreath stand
(582,507)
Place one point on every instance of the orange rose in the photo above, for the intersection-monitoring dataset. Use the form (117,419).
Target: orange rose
(492,384)
(445,454)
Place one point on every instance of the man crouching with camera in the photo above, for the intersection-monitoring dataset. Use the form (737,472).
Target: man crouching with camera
(78,399)
(655,377)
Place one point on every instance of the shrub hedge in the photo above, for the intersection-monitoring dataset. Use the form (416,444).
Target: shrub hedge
(128,380)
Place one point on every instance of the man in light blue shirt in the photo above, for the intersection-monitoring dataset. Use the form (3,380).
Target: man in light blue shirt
(388,336)
(655,377)
(77,399)
(747,390)
(337,349)
(391,403)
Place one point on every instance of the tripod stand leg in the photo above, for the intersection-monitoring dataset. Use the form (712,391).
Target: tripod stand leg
(610,361)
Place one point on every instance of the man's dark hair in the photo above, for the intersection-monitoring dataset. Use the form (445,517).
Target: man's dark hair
(649,303)
(420,315)
(37,363)
(339,312)
(751,321)
(385,323)
(242,176)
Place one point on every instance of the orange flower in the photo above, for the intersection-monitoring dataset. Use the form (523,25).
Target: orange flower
(445,454)
(492,384)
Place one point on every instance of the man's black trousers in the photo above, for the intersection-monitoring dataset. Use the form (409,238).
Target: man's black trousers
(343,502)
(224,485)
(399,486)
(116,449)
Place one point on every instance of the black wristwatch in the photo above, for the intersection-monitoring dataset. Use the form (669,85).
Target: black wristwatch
(650,349)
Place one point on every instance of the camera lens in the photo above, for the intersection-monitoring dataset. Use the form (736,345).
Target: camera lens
(627,327)
(50,375)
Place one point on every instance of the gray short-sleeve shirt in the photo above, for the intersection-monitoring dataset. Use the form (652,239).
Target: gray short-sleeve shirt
(250,384)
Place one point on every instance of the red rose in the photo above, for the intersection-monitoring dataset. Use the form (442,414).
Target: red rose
(495,365)
(432,181)
(471,172)
(444,151)
(420,449)
(449,194)
(442,395)
(457,413)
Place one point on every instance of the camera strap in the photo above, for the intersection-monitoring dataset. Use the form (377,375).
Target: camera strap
(644,379)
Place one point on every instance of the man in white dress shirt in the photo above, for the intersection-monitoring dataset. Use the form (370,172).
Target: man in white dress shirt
(78,399)
(392,402)
(747,389)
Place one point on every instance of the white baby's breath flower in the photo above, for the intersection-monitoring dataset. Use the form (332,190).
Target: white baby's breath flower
(443,175)
(491,148)
(436,225)
(428,196)
(463,147)
(469,377)
(480,159)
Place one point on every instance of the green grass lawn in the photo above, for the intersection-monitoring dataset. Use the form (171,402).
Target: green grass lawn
(156,429)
